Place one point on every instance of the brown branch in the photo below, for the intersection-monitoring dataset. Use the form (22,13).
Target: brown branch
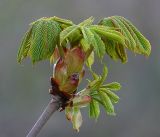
(53,106)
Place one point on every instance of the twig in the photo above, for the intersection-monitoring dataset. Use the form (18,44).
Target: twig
(53,106)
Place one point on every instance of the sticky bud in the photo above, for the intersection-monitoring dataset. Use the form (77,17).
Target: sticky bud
(75,60)
(69,70)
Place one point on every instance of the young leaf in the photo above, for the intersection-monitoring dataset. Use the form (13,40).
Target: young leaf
(85,45)
(44,39)
(95,40)
(87,35)
(90,60)
(121,52)
(63,21)
(107,103)
(87,22)
(40,41)
(114,98)
(98,45)
(77,118)
(111,49)
(95,76)
(94,85)
(109,34)
(98,99)
(68,32)
(115,50)
(113,86)
(25,46)
(104,74)
(135,40)
(94,109)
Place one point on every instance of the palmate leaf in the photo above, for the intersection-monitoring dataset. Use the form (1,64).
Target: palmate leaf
(40,42)
(94,40)
(135,41)
(44,39)
(102,94)
(114,41)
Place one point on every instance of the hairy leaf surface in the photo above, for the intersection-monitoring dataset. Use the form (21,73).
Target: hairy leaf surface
(135,41)
(94,110)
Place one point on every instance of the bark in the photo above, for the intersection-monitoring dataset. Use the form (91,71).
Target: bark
(53,106)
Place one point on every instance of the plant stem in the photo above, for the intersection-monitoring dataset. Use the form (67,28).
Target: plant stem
(53,106)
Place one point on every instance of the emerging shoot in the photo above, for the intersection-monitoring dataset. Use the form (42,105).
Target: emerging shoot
(71,49)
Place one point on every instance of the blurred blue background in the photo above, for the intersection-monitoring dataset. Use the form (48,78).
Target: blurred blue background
(24,88)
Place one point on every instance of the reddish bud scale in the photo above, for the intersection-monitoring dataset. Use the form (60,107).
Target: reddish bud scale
(69,70)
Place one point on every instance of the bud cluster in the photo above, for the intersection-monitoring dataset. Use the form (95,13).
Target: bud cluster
(68,72)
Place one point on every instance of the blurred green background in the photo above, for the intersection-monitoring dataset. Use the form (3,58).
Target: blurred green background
(24,88)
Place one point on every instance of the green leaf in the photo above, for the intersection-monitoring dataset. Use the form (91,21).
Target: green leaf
(98,45)
(87,22)
(90,60)
(45,37)
(85,45)
(98,80)
(69,32)
(95,40)
(63,21)
(113,86)
(25,46)
(109,34)
(94,110)
(106,28)
(40,41)
(115,50)
(107,103)
(77,118)
(111,49)
(87,35)
(135,40)
(94,85)
(95,76)
(121,52)
(104,74)
(114,98)
(97,98)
